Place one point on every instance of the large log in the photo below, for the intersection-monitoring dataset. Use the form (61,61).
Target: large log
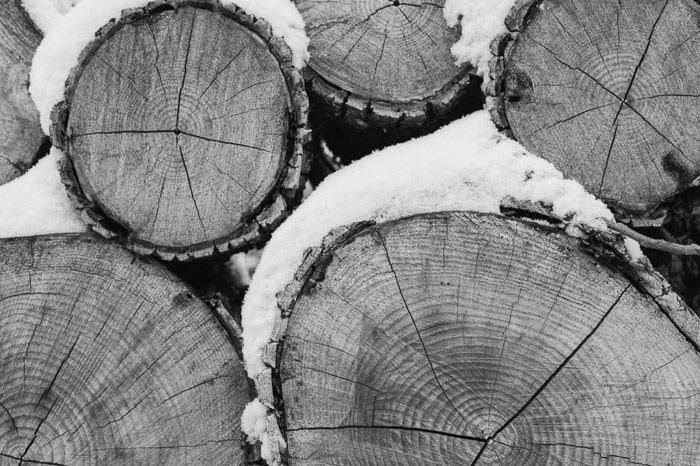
(607,92)
(108,359)
(473,339)
(183,124)
(383,66)
(21,138)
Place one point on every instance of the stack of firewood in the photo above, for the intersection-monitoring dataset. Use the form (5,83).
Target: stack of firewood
(449,300)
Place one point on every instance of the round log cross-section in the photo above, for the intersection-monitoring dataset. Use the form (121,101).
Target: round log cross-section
(108,359)
(381,63)
(474,339)
(608,93)
(21,138)
(183,123)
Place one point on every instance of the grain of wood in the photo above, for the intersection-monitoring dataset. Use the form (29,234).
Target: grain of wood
(183,123)
(382,63)
(608,92)
(109,359)
(21,138)
(470,339)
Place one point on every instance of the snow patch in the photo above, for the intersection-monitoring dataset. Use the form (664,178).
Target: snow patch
(481,21)
(36,203)
(59,51)
(633,249)
(46,13)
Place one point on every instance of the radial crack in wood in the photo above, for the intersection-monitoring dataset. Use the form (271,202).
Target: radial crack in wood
(383,64)
(108,359)
(608,92)
(464,338)
(184,122)
(21,138)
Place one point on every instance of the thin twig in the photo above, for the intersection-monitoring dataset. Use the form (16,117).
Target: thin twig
(658,244)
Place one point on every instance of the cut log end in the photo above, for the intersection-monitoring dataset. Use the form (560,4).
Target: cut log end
(608,94)
(383,64)
(21,138)
(183,122)
(461,338)
(108,359)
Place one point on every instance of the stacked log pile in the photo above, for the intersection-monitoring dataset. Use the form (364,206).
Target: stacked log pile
(459,335)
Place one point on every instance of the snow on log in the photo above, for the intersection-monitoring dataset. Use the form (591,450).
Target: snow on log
(21,138)
(108,359)
(608,94)
(472,339)
(183,124)
(382,64)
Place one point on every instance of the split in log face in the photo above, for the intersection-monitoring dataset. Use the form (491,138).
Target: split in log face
(461,338)
(382,63)
(608,92)
(181,125)
(21,138)
(108,359)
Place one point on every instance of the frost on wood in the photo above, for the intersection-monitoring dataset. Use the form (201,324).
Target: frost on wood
(402,342)
(383,64)
(196,144)
(37,204)
(108,359)
(608,94)
(21,139)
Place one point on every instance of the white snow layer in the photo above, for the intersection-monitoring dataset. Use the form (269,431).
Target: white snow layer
(466,165)
(254,423)
(46,13)
(59,51)
(481,21)
(36,203)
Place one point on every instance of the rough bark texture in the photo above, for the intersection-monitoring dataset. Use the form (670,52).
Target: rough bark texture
(384,65)
(108,359)
(607,91)
(462,338)
(183,123)
(21,138)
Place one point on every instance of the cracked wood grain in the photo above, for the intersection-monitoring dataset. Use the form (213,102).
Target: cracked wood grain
(383,64)
(184,123)
(21,140)
(559,352)
(606,92)
(107,359)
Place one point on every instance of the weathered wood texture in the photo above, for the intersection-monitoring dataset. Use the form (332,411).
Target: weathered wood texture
(108,359)
(21,138)
(383,64)
(462,338)
(607,91)
(183,123)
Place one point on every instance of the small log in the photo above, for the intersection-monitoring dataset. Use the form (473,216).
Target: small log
(474,339)
(21,138)
(183,125)
(384,66)
(108,359)
(609,94)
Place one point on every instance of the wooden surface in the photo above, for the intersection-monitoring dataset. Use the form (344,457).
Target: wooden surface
(21,137)
(182,126)
(608,92)
(106,358)
(461,338)
(382,63)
